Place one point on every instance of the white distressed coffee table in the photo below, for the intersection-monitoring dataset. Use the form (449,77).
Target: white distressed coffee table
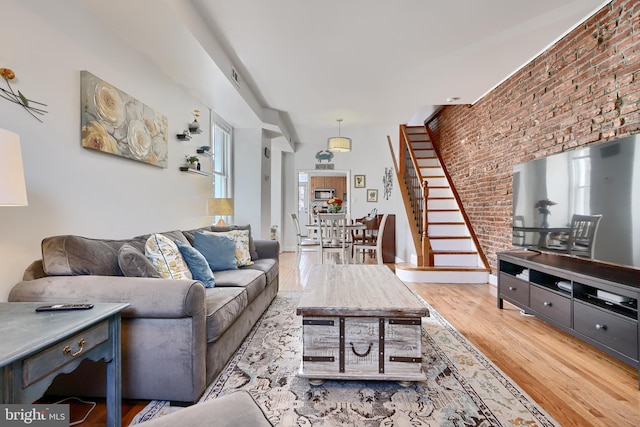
(360,322)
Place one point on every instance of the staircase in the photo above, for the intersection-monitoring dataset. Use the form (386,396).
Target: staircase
(454,251)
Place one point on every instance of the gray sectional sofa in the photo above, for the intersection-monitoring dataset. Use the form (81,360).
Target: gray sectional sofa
(177,335)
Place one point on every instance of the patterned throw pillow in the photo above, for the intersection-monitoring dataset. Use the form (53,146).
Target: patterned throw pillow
(197,264)
(166,258)
(241,237)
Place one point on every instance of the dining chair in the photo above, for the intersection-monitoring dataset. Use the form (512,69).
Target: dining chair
(304,243)
(582,237)
(371,247)
(334,237)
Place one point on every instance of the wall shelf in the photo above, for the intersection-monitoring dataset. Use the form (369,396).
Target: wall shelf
(183,137)
(191,170)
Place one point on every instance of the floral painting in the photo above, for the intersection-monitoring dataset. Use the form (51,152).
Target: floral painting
(116,123)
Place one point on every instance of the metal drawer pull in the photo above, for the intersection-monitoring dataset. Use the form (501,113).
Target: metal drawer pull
(68,350)
(512,288)
(365,354)
(601,327)
(547,304)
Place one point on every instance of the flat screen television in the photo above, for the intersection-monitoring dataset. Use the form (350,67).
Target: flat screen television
(602,179)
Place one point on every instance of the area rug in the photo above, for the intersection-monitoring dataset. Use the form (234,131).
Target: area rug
(463,388)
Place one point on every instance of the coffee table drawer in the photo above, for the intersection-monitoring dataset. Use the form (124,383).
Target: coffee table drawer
(59,354)
(362,347)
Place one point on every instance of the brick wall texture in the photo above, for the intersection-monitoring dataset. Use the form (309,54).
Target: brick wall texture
(583,90)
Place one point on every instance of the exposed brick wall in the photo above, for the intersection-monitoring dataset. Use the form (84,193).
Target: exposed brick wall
(583,90)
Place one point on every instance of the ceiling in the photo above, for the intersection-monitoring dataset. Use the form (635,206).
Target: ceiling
(375,64)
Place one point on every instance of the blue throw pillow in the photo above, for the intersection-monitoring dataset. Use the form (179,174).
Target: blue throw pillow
(219,250)
(197,263)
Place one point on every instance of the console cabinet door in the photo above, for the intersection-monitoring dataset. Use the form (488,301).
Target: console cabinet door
(551,305)
(609,329)
(514,289)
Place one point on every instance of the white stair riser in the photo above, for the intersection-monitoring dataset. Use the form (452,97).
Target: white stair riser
(430,162)
(455,260)
(424,152)
(421,145)
(437,181)
(440,192)
(445,216)
(441,204)
(470,277)
(447,230)
(452,244)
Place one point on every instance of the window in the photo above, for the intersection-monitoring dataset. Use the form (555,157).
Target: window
(222,179)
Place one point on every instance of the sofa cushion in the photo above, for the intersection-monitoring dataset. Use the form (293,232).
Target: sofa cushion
(189,234)
(241,238)
(134,263)
(268,266)
(75,255)
(254,281)
(166,258)
(223,305)
(197,263)
(219,250)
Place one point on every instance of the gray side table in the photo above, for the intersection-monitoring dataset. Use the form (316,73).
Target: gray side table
(35,347)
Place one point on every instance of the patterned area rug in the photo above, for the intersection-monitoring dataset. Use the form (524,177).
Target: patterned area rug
(463,388)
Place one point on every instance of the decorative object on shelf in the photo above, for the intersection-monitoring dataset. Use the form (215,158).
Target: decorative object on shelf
(387,181)
(185,135)
(194,126)
(205,150)
(193,162)
(372,195)
(543,208)
(220,207)
(339,144)
(13,191)
(335,205)
(115,123)
(359,181)
(324,155)
(19,98)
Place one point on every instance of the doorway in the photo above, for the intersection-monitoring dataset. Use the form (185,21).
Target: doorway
(316,187)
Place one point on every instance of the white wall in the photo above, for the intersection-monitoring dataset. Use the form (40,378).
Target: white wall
(73,190)
(247,178)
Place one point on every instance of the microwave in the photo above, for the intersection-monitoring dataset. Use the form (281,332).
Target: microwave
(324,194)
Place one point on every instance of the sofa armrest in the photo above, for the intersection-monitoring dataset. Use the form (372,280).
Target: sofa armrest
(149,297)
(267,248)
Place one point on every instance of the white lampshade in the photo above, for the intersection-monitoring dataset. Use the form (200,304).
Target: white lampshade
(339,144)
(13,191)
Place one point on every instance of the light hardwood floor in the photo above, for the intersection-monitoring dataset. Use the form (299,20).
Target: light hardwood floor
(575,383)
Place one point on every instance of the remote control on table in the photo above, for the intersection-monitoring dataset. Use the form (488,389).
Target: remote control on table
(62,307)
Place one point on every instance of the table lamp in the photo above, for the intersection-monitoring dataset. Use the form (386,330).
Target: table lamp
(13,191)
(220,207)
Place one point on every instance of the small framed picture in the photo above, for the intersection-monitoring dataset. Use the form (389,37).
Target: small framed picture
(358,181)
(372,195)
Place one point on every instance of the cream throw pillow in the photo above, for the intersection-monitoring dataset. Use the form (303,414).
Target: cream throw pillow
(243,254)
(166,258)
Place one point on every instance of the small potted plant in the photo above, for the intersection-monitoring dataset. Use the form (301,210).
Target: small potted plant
(193,162)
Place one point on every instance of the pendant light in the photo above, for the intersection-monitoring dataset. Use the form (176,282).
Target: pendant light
(339,144)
